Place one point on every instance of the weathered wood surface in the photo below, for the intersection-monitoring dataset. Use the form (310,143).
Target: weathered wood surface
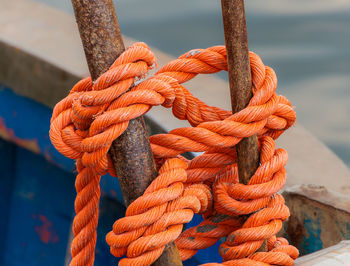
(319,217)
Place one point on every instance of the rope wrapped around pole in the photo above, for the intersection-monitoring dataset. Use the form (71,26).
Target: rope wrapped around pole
(87,123)
(207,185)
(131,152)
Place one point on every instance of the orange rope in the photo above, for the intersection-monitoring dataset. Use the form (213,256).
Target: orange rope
(93,115)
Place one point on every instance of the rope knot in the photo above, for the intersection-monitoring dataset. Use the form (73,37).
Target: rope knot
(94,114)
(88,107)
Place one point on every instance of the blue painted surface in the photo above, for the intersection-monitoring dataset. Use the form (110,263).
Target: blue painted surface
(30,120)
(312,240)
(7,165)
(40,214)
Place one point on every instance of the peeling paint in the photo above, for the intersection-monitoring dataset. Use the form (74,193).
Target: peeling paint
(113,193)
(192,53)
(45,231)
(9,135)
(314,224)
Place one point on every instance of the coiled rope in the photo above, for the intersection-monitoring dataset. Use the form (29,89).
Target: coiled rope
(93,115)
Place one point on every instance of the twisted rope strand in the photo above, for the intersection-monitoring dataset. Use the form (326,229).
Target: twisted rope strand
(94,114)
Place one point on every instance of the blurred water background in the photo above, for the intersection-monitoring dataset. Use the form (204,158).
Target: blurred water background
(306,42)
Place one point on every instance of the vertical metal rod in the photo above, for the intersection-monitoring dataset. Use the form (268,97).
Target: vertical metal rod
(240,80)
(131,152)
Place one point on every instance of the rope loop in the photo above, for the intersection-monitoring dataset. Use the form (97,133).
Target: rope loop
(94,114)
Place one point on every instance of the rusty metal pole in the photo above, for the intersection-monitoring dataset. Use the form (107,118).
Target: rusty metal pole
(131,152)
(240,80)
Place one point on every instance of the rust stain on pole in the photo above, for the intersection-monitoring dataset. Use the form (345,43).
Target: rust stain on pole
(131,152)
(240,80)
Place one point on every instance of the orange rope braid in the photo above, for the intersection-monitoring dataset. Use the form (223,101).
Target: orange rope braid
(93,115)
